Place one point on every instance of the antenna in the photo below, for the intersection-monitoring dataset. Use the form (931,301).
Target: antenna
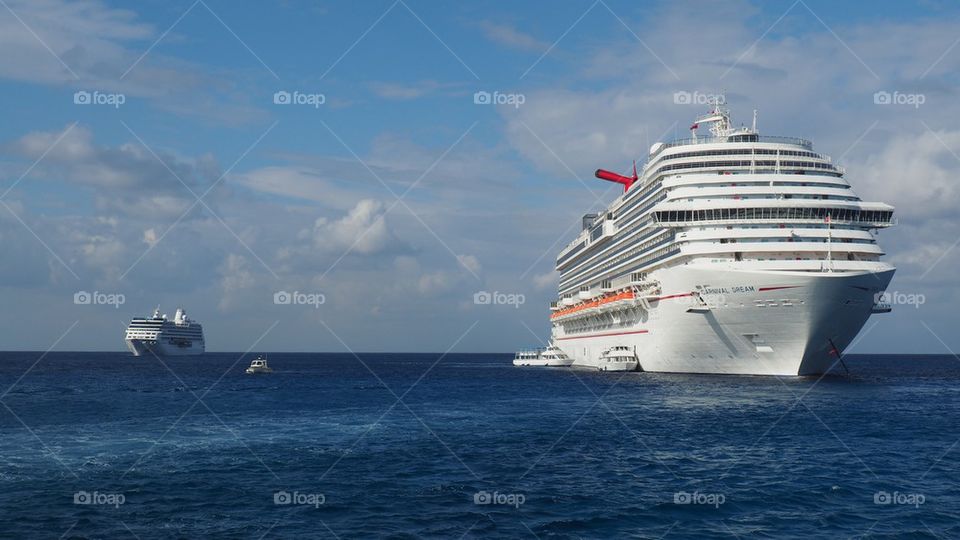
(754,120)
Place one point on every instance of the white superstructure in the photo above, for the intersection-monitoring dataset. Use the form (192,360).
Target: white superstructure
(181,336)
(733,253)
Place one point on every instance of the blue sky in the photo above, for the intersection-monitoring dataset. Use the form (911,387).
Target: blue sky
(303,198)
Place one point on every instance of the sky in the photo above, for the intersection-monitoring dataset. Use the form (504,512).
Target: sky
(328,176)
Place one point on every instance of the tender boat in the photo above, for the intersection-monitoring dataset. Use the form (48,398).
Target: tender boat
(259,365)
(554,357)
(529,357)
(618,358)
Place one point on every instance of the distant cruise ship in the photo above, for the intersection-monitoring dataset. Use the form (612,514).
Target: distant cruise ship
(163,337)
(731,253)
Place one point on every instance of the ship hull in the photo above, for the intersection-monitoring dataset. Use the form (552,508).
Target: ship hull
(735,321)
(162,347)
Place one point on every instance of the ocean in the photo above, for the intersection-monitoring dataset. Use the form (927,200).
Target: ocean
(105,445)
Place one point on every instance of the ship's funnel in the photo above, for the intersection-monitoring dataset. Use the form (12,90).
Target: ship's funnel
(618,178)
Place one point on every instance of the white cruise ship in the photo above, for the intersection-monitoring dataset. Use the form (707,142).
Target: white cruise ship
(179,337)
(731,253)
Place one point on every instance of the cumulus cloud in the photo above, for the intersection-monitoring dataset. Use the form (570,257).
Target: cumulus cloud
(619,96)
(363,231)
(93,46)
(918,171)
(88,44)
(126,179)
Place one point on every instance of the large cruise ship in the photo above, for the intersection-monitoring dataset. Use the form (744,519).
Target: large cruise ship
(179,337)
(730,253)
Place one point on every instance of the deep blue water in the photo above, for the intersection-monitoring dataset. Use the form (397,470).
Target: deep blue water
(588,455)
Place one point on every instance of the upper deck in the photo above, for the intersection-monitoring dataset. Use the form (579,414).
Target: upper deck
(740,137)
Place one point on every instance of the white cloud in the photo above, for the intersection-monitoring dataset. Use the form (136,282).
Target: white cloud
(509,36)
(435,282)
(471,263)
(916,172)
(125,179)
(87,36)
(618,96)
(546,281)
(328,185)
(100,48)
(150,237)
(235,277)
(362,231)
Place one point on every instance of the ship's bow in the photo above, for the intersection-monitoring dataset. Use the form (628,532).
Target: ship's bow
(842,305)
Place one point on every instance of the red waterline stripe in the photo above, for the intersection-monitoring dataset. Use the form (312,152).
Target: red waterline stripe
(613,334)
(671,296)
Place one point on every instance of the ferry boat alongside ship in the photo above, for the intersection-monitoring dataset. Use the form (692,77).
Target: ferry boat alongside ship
(618,358)
(732,253)
(552,356)
(179,337)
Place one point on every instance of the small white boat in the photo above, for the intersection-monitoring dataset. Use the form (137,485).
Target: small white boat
(259,365)
(529,357)
(554,357)
(618,358)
